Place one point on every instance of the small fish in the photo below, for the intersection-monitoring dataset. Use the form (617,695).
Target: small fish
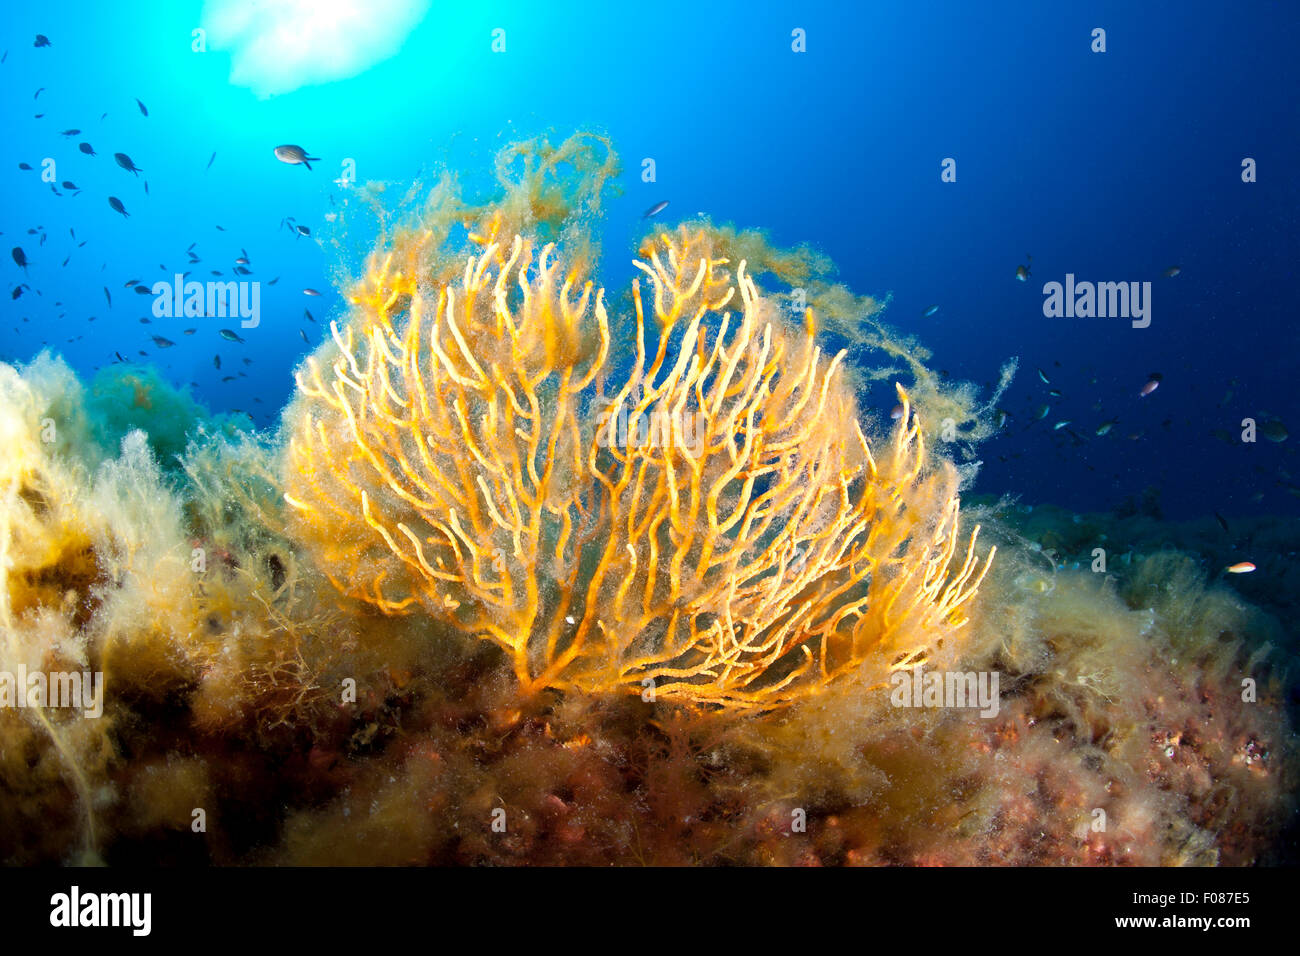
(1273,430)
(1043,376)
(308,316)
(161,342)
(24,166)
(1172,271)
(896,412)
(143,290)
(141,105)
(1022,273)
(20,257)
(310,292)
(210,161)
(274,281)
(302,230)
(18,291)
(1105,427)
(86,148)
(295,155)
(1149,387)
(41,40)
(304,336)
(230,336)
(70,132)
(190,331)
(929,312)
(117,205)
(1241,567)
(1059,425)
(108,297)
(216,362)
(130,282)
(70,185)
(125,162)
(1222,522)
(1054,392)
(241,261)
(1043,411)
(146,187)
(656,209)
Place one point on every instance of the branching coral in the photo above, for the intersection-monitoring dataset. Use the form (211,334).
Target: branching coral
(462,446)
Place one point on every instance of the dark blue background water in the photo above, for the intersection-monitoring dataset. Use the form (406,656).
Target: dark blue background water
(1110,166)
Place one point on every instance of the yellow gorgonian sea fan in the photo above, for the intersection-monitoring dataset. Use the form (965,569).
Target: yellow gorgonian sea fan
(689,503)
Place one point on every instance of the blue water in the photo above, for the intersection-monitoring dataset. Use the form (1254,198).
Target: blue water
(1111,166)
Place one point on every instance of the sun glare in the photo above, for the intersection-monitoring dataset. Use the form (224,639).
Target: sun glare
(278,46)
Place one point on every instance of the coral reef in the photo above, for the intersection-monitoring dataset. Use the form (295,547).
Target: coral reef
(404,630)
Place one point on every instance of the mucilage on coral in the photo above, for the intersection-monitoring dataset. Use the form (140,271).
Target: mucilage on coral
(452,450)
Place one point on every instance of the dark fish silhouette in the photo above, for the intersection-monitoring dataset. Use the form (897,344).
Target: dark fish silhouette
(124,161)
(117,205)
(41,40)
(210,159)
(295,155)
(231,336)
(20,257)
(108,297)
(86,148)
(656,209)
(24,166)
(141,105)
(70,132)
(158,340)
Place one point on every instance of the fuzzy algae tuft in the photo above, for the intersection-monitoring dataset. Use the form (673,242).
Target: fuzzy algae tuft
(637,573)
